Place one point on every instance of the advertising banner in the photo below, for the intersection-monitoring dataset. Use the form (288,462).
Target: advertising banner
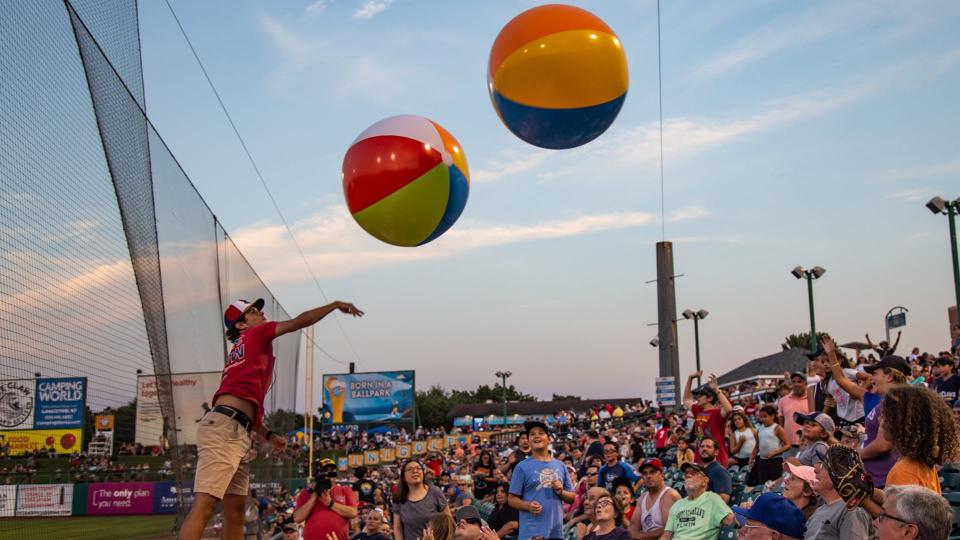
(419,447)
(371,457)
(44,500)
(356,398)
(387,455)
(436,444)
(403,451)
(64,441)
(192,394)
(8,500)
(17,399)
(451,441)
(120,498)
(60,402)
(104,422)
(343,464)
(165,497)
(356,460)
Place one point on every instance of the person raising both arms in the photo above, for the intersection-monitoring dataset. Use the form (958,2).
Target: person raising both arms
(710,407)
(226,433)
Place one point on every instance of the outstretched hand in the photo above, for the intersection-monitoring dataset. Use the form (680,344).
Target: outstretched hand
(712,382)
(829,346)
(350,309)
(696,374)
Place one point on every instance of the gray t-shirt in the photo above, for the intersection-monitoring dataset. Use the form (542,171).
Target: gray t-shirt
(834,522)
(415,515)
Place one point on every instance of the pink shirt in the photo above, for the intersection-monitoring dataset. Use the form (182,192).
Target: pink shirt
(786,407)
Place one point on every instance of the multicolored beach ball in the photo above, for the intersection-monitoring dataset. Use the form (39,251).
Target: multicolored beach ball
(557,76)
(406,180)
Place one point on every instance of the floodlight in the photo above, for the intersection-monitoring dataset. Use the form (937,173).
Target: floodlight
(798,272)
(655,342)
(688,314)
(937,205)
(703,313)
(818,271)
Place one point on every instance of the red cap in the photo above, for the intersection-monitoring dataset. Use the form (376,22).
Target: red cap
(652,462)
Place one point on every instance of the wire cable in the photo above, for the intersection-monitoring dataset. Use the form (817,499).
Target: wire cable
(263,182)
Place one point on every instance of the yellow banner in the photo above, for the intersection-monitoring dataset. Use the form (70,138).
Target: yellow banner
(387,455)
(343,464)
(451,441)
(436,444)
(484,436)
(64,441)
(419,447)
(356,460)
(371,457)
(403,451)
(104,422)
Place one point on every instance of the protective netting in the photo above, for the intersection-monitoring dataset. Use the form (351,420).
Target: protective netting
(114,275)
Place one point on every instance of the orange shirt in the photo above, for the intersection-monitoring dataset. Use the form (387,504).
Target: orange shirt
(908,472)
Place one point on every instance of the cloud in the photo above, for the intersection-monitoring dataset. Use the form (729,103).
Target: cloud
(913,194)
(920,236)
(336,246)
(509,163)
(371,8)
(946,168)
(293,46)
(316,7)
(688,213)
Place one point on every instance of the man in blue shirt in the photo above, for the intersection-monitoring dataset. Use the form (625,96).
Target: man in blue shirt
(539,486)
(720,481)
(613,468)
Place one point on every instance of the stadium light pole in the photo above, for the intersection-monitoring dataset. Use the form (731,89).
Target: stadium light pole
(696,316)
(938,205)
(814,273)
(503,377)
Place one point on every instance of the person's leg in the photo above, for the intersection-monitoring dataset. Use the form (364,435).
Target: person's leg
(200,514)
(233,516)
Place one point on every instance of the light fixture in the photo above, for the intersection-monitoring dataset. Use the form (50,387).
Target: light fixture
(937,205)
(798,272)
(655,341)
(688,314)
(703,313)
(818,271)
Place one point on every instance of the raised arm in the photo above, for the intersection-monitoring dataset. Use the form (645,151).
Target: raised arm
(314,316)
(848,386)
(688,390)
(725,406)
(893,348)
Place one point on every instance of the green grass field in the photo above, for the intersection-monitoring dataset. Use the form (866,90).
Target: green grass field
(88,528)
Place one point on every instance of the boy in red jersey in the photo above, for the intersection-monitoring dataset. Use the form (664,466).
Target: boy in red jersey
(224,434)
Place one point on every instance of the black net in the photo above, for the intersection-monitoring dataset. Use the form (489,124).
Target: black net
(113,279)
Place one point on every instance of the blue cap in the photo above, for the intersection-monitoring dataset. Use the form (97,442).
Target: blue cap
(776,512)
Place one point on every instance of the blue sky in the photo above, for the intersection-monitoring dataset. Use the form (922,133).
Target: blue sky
(795,133)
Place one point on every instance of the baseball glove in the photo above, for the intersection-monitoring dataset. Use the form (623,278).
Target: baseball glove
(849,478)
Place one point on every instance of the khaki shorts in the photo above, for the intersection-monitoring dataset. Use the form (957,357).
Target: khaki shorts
(223,467)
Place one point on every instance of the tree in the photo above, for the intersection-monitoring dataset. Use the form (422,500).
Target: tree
(800,341)
(283,422)
(434,404)
(562,397)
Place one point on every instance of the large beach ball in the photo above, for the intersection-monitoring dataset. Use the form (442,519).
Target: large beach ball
(557,76)
(406,180)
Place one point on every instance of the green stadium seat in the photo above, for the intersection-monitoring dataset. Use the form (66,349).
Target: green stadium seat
(741,477)
(953,497)
(951,467)
(949,481)
(733,469)
(727,532)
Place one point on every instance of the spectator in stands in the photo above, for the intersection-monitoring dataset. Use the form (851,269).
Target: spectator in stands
(541,511)
(947,382)
(623,492)
(614,468)
(504,520)
(883,348)
(771,517)
(818,429)
(414,502)
(720,481)
(469,526)
(922,430)
(876,453)
(684,453)
(789,405)
(699,515)
(326,507)
(442,525)
(772,444)
(709,408)
(852,436)
(833,520)
(913,512)
(654,505)
(798,488)
(484,480)
(363,487)
(743,440)
(608,520)
(580,524)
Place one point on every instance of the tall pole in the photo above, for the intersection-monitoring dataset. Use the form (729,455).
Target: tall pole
(696,341)
(813,322)
(667,317)
(951,213)
(503,377)
(308,383)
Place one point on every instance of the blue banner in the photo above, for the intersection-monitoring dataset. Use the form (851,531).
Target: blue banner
(358,398)
(59,402)
(165,497)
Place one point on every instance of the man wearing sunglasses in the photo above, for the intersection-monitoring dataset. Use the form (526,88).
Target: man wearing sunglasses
(469,526)
(225,435)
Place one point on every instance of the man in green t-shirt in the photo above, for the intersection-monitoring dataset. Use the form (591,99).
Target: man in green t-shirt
(700,515)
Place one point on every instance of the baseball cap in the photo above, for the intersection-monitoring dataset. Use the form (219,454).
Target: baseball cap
(695,466)
(466,512)
(776,512)
(651,462)
(289,527)
(705,390)
(527,426)
(327,462)
(893,361)
(238,309)
(804,472)
(821,418)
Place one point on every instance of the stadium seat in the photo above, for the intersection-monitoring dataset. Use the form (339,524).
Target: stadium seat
(949,481)
(733,469)
(953,497)
(951,467)
(727,532)
(741,477)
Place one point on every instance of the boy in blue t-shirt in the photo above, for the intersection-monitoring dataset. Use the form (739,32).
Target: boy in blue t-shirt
(539,486)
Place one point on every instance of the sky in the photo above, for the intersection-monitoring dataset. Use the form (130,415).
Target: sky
(794,133)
